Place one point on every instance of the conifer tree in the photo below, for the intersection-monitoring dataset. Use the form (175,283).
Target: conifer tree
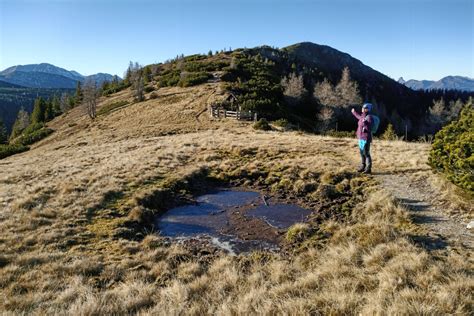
(39,111)
(78,96)
(90,98)
(324,93)
(389,133)
(293,88)
(137,81)
(347,90)
(3,133)
(63,103)
(48,112)
(438,114)
(21,122)
(71,102)
(56,104)
(147,74)
(128,74)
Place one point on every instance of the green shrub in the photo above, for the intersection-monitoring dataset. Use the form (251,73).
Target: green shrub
(452,150)
(32,127)
(149,89)
(32,136)
(389,133)
(282,123)
(111,106)
(195,57)
(115,87)
(169,78)
(194,78)
(205,66)
(285,124)
(256,83)
(8,150)
(262,125)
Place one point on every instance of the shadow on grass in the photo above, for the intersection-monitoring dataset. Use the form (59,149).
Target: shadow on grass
(430,242)
(109,198)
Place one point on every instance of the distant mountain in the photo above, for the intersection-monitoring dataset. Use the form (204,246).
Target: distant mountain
(446,83)
(100,77)
(4,84)
(47,76)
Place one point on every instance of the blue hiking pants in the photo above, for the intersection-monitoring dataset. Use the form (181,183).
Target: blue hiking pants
(364,149)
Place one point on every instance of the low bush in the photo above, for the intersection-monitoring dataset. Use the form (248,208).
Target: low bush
(169,78)
(281,123)
(8,150)
(262,125)
(149,89)
(194,78)
(389,133)
(114,88)
(32,136)
(453,148)
(32,128)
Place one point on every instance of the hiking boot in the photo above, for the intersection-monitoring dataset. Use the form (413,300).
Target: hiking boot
(361,168)
(367,170)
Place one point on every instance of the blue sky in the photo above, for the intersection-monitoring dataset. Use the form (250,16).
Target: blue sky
(418,39)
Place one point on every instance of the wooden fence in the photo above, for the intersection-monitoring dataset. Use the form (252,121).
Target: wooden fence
(238,115)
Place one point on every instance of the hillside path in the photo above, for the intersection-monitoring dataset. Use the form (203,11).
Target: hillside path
(418,196)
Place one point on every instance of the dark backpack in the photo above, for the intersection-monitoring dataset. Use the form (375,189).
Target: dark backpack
(375,123)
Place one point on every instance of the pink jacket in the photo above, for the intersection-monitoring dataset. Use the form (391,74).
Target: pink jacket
(364,125)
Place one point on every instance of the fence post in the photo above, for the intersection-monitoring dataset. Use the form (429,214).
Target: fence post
(225,113)
(255,116)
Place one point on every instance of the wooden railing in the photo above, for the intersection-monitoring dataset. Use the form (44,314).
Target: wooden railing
(238,115)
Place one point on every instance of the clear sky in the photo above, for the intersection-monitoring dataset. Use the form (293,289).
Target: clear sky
(418,39)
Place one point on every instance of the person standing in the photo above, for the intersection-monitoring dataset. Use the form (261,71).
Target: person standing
(364,137)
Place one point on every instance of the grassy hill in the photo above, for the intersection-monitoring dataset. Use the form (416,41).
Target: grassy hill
(77,234)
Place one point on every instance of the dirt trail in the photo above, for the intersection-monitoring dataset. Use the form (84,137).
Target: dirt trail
(418,196)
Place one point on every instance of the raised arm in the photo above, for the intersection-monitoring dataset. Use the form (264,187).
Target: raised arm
(354,112)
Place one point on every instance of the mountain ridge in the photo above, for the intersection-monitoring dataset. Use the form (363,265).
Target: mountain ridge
(45,75)
(451,82)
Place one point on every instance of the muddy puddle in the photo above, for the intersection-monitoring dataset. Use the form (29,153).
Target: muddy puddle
(232,219)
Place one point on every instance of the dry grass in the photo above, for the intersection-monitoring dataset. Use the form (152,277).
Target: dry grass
(68,207)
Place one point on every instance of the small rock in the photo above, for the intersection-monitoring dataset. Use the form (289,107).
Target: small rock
(470,225)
